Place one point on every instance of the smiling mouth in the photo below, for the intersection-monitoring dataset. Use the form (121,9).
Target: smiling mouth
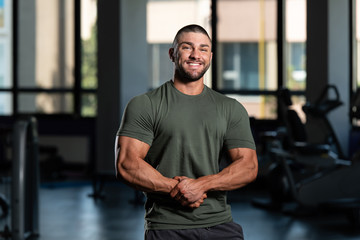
(191,64)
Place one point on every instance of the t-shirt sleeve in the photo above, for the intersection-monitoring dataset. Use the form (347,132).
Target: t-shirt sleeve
(137,120)
(238,134)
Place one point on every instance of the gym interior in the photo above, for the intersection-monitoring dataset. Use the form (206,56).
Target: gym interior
(69,67)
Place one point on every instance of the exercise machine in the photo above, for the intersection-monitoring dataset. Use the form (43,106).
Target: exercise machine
(311,175)
(24,204)
(328,101)
(4,171)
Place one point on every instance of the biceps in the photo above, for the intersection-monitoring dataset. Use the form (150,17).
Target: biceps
(245,155)
(128,148)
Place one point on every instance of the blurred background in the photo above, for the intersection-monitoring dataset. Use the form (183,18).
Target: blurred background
(69,67)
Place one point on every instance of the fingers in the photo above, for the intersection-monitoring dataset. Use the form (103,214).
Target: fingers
(181,191)
(185,194)
(180,178)
(199,202)
(184,202)
(196,204)
(179,196)
(204,196)
(175,191)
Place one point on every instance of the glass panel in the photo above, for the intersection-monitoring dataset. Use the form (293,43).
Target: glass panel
(160,38)
(54,46)
(5,62)
(47,103)
(5,44)
(259,107)
(6,103)
(5,16)
(89,44)
(2,14)
(247,57)
(89,105)
(295,44)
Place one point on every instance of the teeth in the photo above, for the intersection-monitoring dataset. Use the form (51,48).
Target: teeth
(194,64)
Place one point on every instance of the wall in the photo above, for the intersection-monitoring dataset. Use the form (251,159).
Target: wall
(108,84)
(134,57)
(339,70)
(328,63)
(123,70)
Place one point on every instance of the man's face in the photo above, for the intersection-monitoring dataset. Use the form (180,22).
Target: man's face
(192,56)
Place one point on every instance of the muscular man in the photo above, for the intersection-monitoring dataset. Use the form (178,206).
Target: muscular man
(170,143)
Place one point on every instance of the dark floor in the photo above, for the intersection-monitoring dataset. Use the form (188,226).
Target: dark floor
(67,212)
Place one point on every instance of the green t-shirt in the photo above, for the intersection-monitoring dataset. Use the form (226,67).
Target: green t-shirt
(186,134)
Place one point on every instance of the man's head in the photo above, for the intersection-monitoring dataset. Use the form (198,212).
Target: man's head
(191,53)
(189,28)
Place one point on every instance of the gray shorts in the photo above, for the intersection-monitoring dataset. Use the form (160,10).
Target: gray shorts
(224,231)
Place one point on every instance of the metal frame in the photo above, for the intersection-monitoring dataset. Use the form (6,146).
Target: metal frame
(25,180)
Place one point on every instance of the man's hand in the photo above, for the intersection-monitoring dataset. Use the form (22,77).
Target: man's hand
(188,192)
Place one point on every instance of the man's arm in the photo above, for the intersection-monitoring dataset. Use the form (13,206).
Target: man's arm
(135,171)
(240,172)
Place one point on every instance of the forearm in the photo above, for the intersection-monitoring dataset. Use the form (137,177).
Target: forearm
(230,178)
(142,176)
(132,169)
(239,173)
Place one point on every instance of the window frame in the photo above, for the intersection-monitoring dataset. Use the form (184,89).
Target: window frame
(281,51)
(77,91)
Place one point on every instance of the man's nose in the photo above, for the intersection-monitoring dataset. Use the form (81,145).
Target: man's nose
(195,53)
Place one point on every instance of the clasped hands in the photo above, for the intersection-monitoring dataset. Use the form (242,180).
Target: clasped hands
(188,192)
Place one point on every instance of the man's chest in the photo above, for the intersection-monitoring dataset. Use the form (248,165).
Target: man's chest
(191,119)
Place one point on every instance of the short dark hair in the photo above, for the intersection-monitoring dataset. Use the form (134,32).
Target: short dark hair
(190,28)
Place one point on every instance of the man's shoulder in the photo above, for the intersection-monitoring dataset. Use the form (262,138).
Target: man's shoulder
(220,97)
(139,100)
(228,103)
(158,91)
(150,95)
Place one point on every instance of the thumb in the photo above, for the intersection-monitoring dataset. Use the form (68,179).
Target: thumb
(180,178)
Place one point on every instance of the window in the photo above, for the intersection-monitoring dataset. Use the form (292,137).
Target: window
(246,47)
(46,58)
(247,57)
(5,57)
(295,44)
(295,49)
(47,77)
(89,81)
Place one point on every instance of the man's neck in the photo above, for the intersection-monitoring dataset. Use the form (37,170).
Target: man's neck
(189,88)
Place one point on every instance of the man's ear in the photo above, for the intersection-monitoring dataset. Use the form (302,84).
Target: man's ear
(171,54)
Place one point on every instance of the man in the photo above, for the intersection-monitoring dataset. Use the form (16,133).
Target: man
(170,143)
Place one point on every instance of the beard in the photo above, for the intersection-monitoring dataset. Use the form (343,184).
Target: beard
(188,75)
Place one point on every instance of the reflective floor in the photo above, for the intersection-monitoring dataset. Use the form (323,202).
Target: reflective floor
(67,212)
